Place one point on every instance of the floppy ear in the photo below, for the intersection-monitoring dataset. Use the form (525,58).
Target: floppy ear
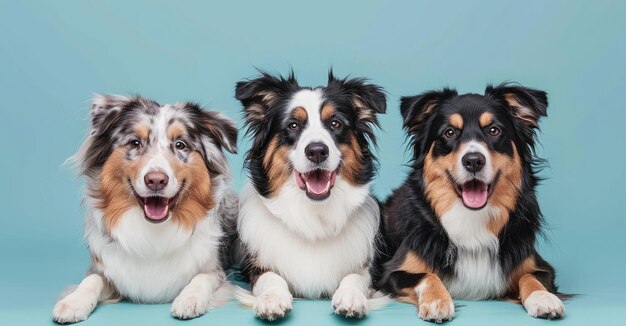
(103,106)
(260,94)
(415,110)
(527,105)
(221,129)
(367,99)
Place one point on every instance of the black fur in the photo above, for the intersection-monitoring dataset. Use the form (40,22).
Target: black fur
(409,223)
(265,100)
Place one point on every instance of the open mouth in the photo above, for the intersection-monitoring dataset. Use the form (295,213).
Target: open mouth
(316,183)
(156,208)
(474,193)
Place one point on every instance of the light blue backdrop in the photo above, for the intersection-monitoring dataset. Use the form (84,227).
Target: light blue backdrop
(54,54)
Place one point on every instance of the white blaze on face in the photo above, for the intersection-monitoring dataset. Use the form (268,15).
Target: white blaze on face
(314,132)
(475,187)
(157,155)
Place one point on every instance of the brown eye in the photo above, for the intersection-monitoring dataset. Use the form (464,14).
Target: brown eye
(134,143)
(335,124)
(180,145)
(494,131)
(450,133)
(294,126)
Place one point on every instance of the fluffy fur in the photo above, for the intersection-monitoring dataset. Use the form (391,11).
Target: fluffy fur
(159,206)
(307,220)
(464,223)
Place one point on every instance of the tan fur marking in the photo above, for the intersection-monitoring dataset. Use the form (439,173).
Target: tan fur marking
(433,290)
(276,164)
(521,111)
(415,265)
(175,131)
(439,190)
(507,188)
(115,195)
(197,198)
(528,284)
(328,111)
(486,119)
(456,121)
(528,266)
(351,160)
(299,114)
(142,131)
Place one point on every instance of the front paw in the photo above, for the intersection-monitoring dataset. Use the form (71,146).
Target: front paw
(190,304)
(350,303)
(273,305)
(543,304)
(73,308)
(436,310)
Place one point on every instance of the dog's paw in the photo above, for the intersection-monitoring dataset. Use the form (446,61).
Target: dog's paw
(436,310)
(190,303)
(273,305)
(543,304)
(350,303)
(73,308)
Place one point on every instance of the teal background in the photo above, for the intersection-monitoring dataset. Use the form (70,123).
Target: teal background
(54,54)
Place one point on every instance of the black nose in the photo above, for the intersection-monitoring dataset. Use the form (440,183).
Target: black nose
(156,180)
(316,152)
(473,162)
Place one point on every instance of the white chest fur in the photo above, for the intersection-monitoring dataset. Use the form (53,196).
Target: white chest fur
(152,263)
(312,251)
(478,274)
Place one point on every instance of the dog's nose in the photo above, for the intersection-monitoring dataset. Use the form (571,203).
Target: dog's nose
(316,152)
(473,162)
(156,180)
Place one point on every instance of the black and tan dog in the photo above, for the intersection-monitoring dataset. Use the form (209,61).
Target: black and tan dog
(464,223)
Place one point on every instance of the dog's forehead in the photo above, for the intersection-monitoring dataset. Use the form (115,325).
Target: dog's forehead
(469,106)
(308,99)
(160,119)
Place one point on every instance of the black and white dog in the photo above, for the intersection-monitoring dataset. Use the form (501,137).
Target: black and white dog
(159,206)
(464,223)
(307,220)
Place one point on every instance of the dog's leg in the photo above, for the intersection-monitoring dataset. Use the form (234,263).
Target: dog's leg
(273,298)
(434,303)
(77,305)
(539,303)
(195,299)
(350,298)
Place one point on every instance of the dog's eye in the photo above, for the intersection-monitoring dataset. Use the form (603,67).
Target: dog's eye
(134,143)
(494,131)
(450,133)
(294,126)
(335,124)
(180,145)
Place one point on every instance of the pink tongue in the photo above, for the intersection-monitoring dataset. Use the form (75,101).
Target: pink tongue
(156,207)
(475,194)
(318,181)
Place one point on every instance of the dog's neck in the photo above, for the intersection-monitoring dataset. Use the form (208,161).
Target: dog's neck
(316,220)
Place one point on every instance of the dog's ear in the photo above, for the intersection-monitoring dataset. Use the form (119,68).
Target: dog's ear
(367,99)
(527,105)
(415,110)
(260,94)
(221,129)
(103,107)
